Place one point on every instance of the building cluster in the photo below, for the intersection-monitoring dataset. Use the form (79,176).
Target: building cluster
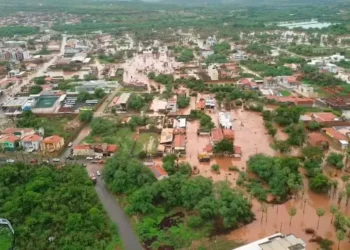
(29,140)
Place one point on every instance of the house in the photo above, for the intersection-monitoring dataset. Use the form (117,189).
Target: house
(276,242)
(225,120)
(179,143)
(200,105)
(19,132)
(213,73)
(120,103)
(327,118)
(31,142)
(210,103)
(318,140)
(52,143)
(206,53)
(306,91)
(166,136)
(171,105)
(229,134)
(158,172)
(297,101)
(82,150)
(179,123)
(239,56)
(211,41)
(216,135)
(103,149)
(9,142)
(339,138)
(338,102)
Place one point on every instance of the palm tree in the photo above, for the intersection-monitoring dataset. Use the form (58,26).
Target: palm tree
(340,237)
(292,212)
(320,212)
(263,210)
(335,186)
(334,209)
(347,193)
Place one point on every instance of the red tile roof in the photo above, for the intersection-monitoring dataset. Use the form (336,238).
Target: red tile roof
(179,141)
(216,135)
(32,138)
(238,150)
(292,79)
(52,139)
(17,130)
(245,81)
(333,133)
(9,138)
(228,134)
(111,148)
(158,171)
(324,117)
(82,147)
(200,104)
(316,139)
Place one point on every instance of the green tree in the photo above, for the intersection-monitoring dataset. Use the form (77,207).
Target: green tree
(333,209)
(312,153)
(215,167)
(86,115)
(292,212)
(319,183)
(340,236)
(320,212)
(207,207)
(194,190)
(335,160)
(224,146)
(84,95)
(282,146)
(99,93)
(36,89)
(183,101)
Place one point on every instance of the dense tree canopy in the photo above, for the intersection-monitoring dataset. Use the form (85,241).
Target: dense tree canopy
(43,202)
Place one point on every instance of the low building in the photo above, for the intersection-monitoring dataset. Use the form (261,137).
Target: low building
(326,118)
(90,86)
(166,136)
(238,152)
(210,103)
(225,120)
(216,135)
(103,149)
(31,142)
(229,134)
(316,139)
(213,73)
(276,242)
(180,123)
(158,172)
(9,142)
(171,106)
(207,53)
(297,101)
(306,91)
(120,103)
(239,56)
(200,105)
(52,143)
(19,132)
(339,138)
(79,57)
(179,143)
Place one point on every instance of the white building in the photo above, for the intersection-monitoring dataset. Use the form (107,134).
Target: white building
(31,142)
(276,242)
(225,120)
(213,73)
(171,106)
(210,103)
(239,56)
(306,91)
(211,41)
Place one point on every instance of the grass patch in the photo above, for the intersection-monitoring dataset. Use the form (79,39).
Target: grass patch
(149,142)
(220,242)
(285,92)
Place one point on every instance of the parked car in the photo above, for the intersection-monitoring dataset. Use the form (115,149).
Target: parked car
(56,160)
(98,173)
(98,157)
(10,161)
(70,157)
(89,158)
(46,161)
(33,161)
(70,144)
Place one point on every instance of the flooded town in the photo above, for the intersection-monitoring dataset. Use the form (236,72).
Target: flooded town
(162,126)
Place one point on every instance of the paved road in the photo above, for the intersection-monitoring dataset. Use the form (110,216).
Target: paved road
(129,238)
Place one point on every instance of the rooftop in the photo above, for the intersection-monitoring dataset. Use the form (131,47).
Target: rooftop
(179,141)
(9,138)
(52,139)
(316,138)
(32,138)
(158,171)
(324,117)
(335,134)
(216,135)
(17,130)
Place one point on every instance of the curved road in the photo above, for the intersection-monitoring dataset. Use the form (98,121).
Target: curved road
(116,213)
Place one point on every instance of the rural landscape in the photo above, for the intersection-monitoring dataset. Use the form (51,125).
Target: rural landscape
(163,125)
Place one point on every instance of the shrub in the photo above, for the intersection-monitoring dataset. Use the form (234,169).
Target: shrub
(195,221)
(215,167)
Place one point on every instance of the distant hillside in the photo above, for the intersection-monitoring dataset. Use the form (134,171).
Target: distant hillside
(253,2)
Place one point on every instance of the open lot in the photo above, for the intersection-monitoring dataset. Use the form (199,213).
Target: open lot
(149,142)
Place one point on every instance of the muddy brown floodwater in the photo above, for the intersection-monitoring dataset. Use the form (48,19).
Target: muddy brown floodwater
(251,136)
